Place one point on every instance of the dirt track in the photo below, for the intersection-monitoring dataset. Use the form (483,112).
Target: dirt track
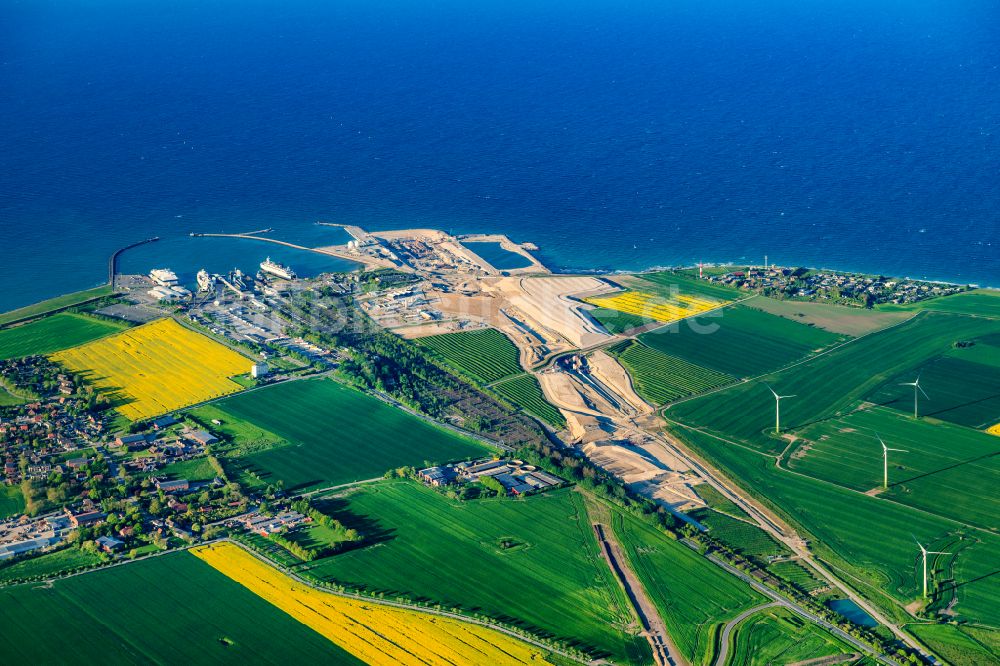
(664,651)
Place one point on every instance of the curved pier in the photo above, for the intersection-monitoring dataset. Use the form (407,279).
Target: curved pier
(113,261)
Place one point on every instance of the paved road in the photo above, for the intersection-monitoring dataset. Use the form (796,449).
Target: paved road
(797,545)
(799,610)
(724,648)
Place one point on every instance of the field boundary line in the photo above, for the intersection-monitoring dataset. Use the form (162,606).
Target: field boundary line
(807,359)
(724,638)
(407,606)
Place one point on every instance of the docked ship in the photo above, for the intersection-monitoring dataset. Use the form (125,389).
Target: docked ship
(205,281)
(164,277)
(280,270)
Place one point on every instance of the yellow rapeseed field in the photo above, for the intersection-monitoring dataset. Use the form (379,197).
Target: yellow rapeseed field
(994,430)
(653,306)
(374,633)
(156,368)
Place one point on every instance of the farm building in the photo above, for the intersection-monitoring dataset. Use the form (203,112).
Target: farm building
(85,518)
(110,544)
(473,471)
(173,486)
(132,442)
(164,422)
(437,476)
(202,437)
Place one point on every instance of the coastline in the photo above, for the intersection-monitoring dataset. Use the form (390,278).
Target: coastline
(556,270)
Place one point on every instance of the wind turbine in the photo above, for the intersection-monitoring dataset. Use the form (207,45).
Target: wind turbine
(777,408)
(885,461)
(924,552)
(916,387)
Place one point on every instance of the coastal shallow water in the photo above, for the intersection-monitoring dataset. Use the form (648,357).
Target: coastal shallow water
(186,256)
(860,135)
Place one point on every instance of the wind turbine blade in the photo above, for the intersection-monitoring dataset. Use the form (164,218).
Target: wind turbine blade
(938,552)
(772,391)
(919,388)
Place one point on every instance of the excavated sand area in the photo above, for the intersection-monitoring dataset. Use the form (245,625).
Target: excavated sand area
(544,301)
(607,369)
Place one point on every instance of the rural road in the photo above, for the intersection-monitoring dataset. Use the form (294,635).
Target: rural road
(724,647)
(792,540)
(799,610)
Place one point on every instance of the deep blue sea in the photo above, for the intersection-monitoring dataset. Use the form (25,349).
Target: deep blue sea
(851,134)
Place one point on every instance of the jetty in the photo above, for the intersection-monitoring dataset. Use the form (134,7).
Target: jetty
(367,261)
(113,261)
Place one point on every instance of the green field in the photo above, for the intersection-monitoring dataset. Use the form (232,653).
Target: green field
(961,391)
(8,399)
(485,355)
(525,392)
(839,524)
(853,321)
(797,575)
(244,436)
(741,341)
(668,281)
(337,435)
(195,469)
(743,537)
(692,595)
(60,331)
(946,470)
(11,501)
(56,303)
(778,636)
(831,384)
(423,545)
(716,500)
(130,615)
(958,645)
(660,378)
(981,302)
(49,564)
(618,322)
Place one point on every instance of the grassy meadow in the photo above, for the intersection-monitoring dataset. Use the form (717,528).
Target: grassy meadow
(840,524)
(692,595)
(980,302)
(373,633)
(946,470)
(778,636)
(829,385)
(127,615)
(49,564)
(741,341)
(11,501)
(336,434)
(59,302)
(842,319)
(962,391)
(959,645)
(51,334)
(550,579)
